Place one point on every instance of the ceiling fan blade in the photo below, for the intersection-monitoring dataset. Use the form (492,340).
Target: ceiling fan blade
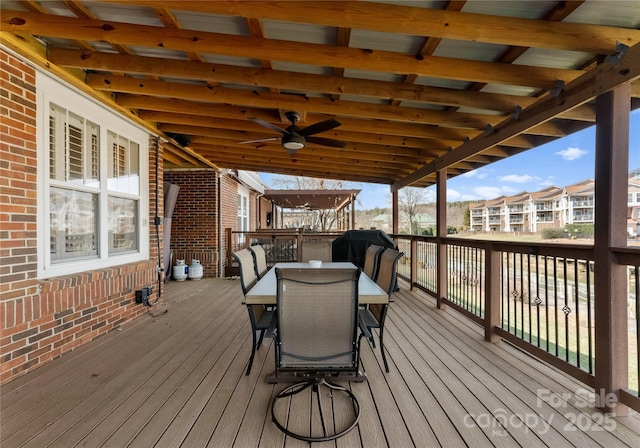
(319,127)
(260,140)
(266,124)
(326,142)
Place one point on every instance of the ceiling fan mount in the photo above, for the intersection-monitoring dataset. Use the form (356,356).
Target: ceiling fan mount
(292,116)
(294,138)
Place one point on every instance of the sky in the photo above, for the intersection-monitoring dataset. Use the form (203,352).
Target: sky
(562,162)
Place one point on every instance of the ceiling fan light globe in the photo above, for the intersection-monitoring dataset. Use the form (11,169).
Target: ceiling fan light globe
(293,145)
(293,142)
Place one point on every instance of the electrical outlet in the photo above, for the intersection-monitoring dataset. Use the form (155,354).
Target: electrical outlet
(142,295)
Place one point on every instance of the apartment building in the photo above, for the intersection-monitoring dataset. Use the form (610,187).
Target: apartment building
(633,208)
(552,207)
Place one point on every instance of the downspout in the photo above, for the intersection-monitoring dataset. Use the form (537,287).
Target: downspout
(220,271)
(157,222)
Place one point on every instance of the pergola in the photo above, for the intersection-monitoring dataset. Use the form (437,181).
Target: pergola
(422,92)
(313,200)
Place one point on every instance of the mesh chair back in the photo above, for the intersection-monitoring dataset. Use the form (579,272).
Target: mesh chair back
(317,319)
(371,259)
(316,250)
(386,276)
(248,276)
(260,260)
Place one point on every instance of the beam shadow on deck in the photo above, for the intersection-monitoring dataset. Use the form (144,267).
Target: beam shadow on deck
(177,379)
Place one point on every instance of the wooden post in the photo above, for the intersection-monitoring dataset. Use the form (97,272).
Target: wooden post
(492,263)
(228,235)
(353,212)
(414,262)
(394,211)
(299,239)
(611,176)
(441,236)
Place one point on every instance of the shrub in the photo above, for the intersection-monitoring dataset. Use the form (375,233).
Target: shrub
(552,234)
(580,230)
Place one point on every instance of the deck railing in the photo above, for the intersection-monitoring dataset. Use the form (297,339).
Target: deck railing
(543,293)
(281,245)
(539,297)
(630,258)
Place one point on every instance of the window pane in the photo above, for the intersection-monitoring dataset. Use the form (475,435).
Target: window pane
(74,225)
(74,148)
(92,163)
(123,219)
(134,168)
(75,152)
(53,159)
(57,149)
(123,165)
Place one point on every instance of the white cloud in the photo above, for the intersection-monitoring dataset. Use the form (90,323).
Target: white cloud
(572,153)
(478,173)
(453,195)
(487,192)
(546,182)
(491,192)
(509,190)
(519,179)
(429,196)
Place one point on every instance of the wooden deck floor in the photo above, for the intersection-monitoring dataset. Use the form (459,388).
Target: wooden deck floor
(177,379)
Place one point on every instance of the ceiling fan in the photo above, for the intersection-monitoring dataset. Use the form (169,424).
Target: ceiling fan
(295,138)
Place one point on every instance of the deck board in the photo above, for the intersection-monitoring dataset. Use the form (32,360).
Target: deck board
(178,379)
(515,375)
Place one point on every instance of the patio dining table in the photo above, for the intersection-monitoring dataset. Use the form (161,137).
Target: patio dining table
(264,291)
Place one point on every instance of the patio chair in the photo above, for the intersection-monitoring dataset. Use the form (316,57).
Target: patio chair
(374,315)
(316,339)
(259,260)
(316,250)
(371,260)
(259,316)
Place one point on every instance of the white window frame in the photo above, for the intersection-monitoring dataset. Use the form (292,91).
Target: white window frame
(244,212)
(50,90)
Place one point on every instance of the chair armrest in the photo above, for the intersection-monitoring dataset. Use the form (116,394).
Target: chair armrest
(365,329)
(273,329)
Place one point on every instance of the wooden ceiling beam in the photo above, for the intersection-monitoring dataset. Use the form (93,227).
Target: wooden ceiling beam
(335,85)
(153,107)
(346,154)
(403,144)
(250,98)
(600,80)
(425,22)
(218,154)
(308,158)
(287,51)
(176,160)
(294,170)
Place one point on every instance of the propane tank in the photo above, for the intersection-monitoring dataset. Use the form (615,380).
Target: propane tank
(180,271)
(195,270)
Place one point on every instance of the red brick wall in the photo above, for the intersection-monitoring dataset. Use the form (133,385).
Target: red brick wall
(194,224)
(265,208)
(42,319)
(229,210)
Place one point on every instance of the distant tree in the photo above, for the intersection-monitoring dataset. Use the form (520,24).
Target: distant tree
(467,218)
(324,219)
(409,200)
